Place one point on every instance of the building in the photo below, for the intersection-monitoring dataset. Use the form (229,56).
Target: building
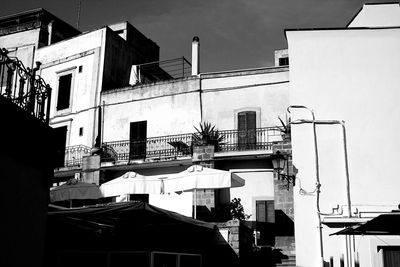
(112,92)
(348,74)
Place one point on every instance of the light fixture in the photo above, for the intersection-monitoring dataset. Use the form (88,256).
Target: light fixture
(280,165)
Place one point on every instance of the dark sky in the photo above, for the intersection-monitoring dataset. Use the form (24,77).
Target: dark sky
(234,34)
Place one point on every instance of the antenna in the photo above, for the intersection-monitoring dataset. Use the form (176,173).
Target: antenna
(79,14)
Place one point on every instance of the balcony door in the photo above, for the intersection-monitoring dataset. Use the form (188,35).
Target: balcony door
(60,139)
(247,130)
(137,140)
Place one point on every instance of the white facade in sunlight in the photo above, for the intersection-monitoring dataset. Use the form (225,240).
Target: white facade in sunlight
(346,74)
(377,15)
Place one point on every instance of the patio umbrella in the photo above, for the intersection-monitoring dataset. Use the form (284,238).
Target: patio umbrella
(74,189)
(132,183)
(199,177)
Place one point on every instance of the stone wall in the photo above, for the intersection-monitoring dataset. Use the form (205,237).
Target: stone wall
(284,205)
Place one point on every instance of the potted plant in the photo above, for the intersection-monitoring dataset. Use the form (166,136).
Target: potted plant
(285,129)
(208,135)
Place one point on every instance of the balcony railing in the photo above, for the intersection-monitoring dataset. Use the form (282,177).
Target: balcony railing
(173,146)
(181,145)
(74,155)
(23,87)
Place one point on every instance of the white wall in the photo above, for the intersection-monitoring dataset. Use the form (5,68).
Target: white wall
(350,75)
(377,15)
(259,185)
(21,45)
(67,56)
(264,91)
(171,107)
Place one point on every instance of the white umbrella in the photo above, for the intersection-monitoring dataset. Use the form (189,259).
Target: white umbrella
(132,183)
(74,189)
(198,177)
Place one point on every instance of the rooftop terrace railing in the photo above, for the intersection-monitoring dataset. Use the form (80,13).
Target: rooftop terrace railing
(23,87)
(162,70)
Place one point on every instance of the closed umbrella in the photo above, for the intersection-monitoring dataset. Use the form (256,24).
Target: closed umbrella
(74,189)
(132,183)
(199,177)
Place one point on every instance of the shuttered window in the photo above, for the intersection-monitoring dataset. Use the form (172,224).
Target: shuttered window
(265,211)
(247,129)
(138,138)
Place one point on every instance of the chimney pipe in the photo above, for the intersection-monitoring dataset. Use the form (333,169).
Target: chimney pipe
(195,56)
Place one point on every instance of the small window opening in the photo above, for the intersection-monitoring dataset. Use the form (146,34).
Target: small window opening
(80,68)
(81,131)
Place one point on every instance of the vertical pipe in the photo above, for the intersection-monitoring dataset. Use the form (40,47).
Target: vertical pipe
(347,169)
(195,56)
(195,204)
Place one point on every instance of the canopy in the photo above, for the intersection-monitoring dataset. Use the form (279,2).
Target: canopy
(198,177)
(385,224)
(132,183)
(74,189)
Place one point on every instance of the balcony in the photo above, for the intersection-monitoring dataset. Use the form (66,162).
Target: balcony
(176,146)
(171,147)
(23,87)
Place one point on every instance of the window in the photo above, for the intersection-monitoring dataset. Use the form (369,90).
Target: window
(247,130)
(137,139)
(284,61)
(64,91)
(80,131)
(391,256)
(80,68)
(265,211)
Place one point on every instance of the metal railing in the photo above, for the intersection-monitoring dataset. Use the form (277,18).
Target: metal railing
(181,145)
(74,155)
(162,70)
(23,87)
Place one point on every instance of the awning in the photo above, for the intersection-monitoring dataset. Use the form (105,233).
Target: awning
(385,224)
(198,177)
(132,183)
(74,189)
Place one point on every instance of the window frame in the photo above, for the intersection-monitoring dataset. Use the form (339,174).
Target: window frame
(70,71)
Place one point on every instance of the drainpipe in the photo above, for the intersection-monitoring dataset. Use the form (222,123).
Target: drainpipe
(327,122)
(342,123)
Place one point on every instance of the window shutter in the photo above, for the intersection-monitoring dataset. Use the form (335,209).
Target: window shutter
(265,211)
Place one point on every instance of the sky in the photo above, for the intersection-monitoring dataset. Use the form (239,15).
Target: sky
(234,34)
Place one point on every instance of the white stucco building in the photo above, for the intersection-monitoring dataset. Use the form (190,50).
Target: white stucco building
(349,74)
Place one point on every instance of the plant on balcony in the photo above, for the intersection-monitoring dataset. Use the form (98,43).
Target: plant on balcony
(285,129)
(207,134)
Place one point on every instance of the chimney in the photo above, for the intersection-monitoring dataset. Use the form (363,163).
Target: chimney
(195,56)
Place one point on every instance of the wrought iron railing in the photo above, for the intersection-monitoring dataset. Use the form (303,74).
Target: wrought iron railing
(181,145)
(74,155)
(23,87)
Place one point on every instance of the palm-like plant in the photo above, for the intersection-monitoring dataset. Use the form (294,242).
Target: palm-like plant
(207,134)
(285,127)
